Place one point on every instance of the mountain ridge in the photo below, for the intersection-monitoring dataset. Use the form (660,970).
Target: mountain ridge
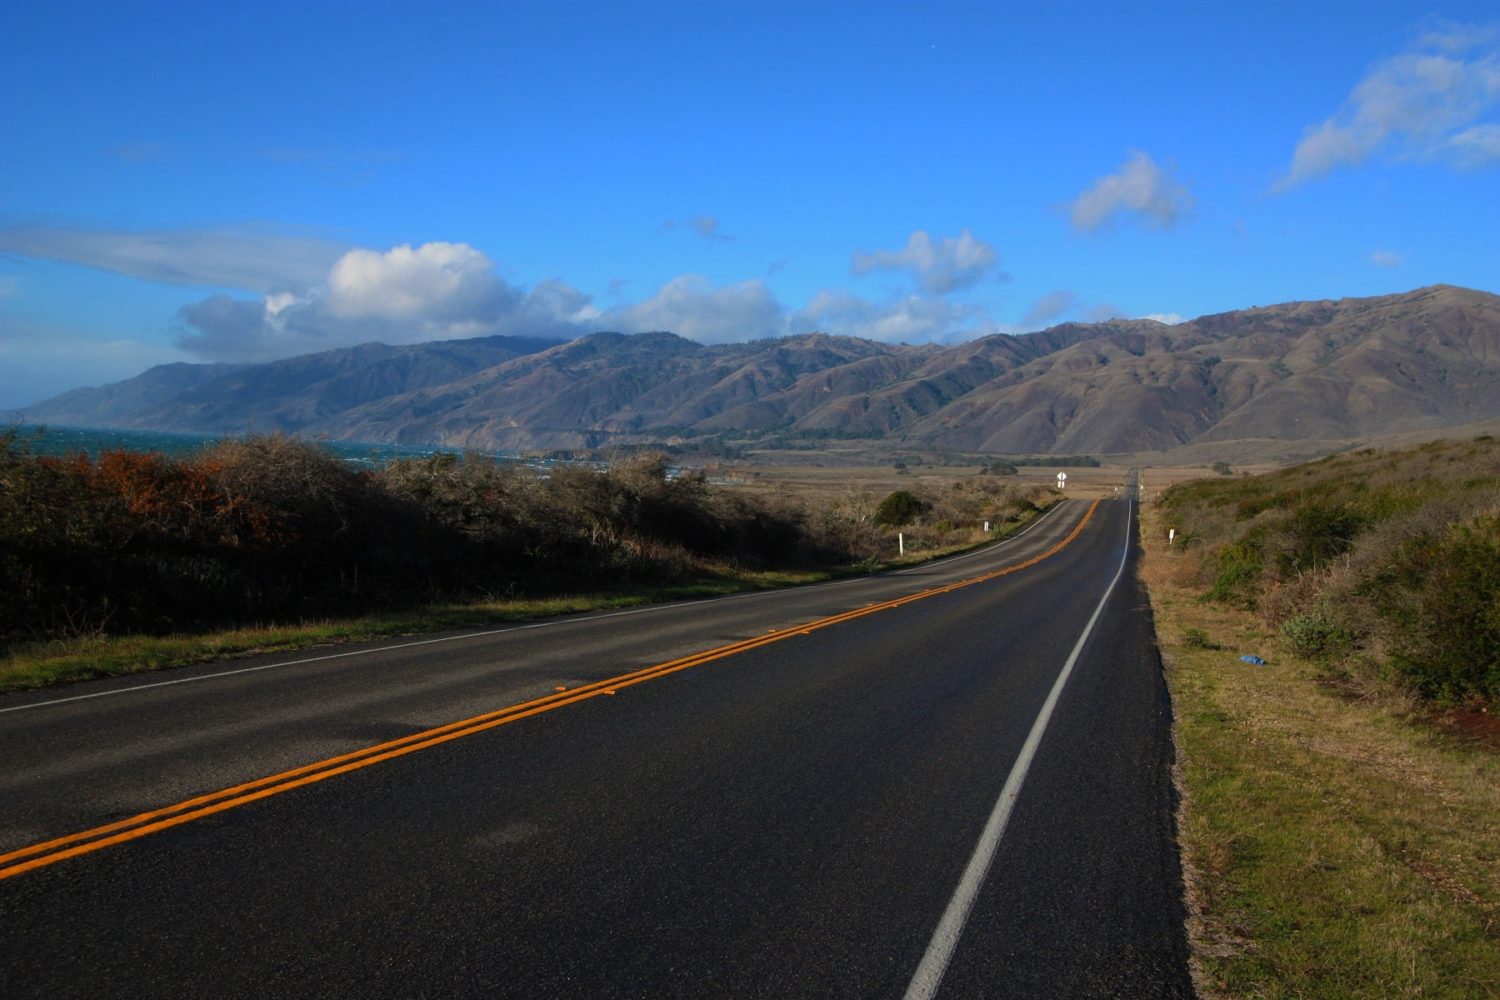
(1303,371)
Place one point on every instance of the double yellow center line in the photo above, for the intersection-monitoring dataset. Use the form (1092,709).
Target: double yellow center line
(87,841)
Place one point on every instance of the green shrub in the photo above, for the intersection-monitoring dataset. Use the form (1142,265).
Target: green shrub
(1237,568)
(1320,532)
(1390,554)
(1445,603)
(1316,635)
(900,508)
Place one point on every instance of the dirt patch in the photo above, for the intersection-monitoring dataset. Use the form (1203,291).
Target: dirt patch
(1479,726)
(1447,883)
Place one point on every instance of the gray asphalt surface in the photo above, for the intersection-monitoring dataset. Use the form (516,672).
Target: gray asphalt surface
(789,821)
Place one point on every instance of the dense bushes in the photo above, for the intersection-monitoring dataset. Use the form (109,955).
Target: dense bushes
(900,508)
(272,528)
(261,528)
(1386,560)
(267,529)
(1442,591)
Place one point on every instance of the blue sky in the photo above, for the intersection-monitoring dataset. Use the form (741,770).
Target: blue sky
(230,182)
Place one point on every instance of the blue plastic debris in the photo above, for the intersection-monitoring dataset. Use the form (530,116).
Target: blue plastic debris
(1257,661)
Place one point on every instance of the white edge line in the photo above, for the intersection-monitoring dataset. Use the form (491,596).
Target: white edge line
(500,631)
(929,975)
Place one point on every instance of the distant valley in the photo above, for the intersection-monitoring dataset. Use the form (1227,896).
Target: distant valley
(1247,383)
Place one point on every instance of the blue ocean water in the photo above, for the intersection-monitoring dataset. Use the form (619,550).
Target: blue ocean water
(92,440)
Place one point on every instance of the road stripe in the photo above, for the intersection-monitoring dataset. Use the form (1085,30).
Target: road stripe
(929,975)
(49,852)
(553,623)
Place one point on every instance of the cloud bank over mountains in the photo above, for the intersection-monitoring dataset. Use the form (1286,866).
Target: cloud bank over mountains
(436,291)
(310,294)
(442,290)
(939,267)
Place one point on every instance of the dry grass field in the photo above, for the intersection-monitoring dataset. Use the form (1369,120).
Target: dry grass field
(1085,482)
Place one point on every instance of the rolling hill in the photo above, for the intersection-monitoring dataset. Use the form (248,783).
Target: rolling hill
(1298,372)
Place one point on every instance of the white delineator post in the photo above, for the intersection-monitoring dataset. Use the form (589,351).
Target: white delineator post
(900,543)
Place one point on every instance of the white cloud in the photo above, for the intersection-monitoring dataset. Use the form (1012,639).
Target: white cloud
(436,291)
(940,268)
(1436,101)
(1476,146)
(1322,148)
(441,291)
(691,307)
(435,281)
(1054,306)
(251,258)
(1387,258)
(910,320)
(1140,188)
(449,290)
(312,299)
(553,301)
(1455,36)
(1050,307)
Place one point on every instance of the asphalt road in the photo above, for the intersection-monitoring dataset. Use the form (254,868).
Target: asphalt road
(791,818)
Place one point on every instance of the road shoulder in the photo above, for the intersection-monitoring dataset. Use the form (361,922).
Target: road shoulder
(1330,846)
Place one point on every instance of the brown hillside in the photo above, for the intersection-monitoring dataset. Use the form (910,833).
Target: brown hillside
(1255,381)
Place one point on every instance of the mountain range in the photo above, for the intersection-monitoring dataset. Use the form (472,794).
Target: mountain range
(1298,372)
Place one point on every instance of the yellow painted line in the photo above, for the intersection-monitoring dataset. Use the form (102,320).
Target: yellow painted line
(52,851)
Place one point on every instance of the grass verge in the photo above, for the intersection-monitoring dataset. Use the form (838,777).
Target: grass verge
(1332,847)
(62,661)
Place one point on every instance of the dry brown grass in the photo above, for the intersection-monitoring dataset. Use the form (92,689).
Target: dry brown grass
(1087,483)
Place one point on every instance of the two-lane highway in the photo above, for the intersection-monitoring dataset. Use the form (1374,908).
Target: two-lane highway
(780,794)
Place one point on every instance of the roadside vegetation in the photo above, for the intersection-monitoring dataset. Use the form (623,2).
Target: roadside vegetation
(1338,821)
(1384,566)
(136,560)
